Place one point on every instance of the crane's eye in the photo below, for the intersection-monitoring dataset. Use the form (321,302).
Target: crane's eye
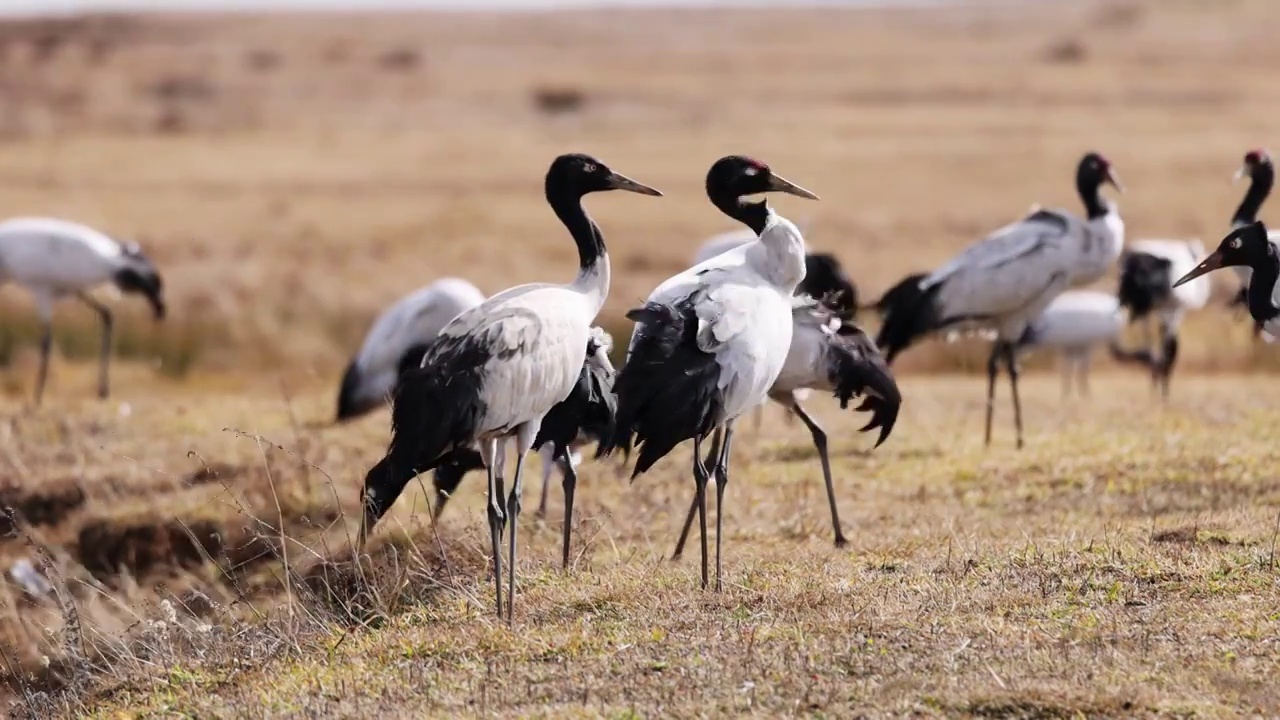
(751,171)
(589,167)
(1235,243)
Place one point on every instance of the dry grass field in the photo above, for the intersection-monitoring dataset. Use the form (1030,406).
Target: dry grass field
(293,174)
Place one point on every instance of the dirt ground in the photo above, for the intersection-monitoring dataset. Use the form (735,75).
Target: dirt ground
(293,174)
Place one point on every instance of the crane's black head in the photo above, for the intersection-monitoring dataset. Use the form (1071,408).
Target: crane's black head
(1095,170)
(139,276)
(733,176)
(825,280)
(1262,175)
(1246,246)
(1257,165)
(576,174)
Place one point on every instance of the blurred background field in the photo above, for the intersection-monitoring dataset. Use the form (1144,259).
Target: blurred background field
(291,174)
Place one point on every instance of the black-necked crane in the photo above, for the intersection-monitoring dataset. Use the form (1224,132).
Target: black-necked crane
(1147,271)
(494,372)
(833,356)
(1257,166)
(1074,325)
(586,416)
(824,278)
(54,258)
(1249,246)
(1006,280)
(397,340)
(710,342)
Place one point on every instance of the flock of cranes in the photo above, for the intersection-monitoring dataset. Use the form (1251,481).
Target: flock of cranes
(757,317)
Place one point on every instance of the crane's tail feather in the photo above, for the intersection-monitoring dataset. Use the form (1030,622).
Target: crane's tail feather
(910,312)
(861,370)
(668,390)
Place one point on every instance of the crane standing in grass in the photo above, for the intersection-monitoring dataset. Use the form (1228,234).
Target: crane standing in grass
(1074,324)
(495,371)
(710,341)
(1007,279)
(55,258)
(826,354)
(586,415)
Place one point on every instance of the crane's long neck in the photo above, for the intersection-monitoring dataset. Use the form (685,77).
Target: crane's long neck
(1263,178)
(1261,285)
(783,252)
(593,259)
(1091,194)
(754,215)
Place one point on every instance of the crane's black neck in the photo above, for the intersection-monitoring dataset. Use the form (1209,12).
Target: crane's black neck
(1090,191)
(1262,178)
(754,215)
(1262,284)
(586,234)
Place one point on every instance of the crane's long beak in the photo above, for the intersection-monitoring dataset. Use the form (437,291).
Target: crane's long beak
(1211,263)
(1115,181)
(777,183)
(618,181)
(1241,174)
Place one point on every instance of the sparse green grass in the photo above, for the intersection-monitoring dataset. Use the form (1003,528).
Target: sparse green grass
(1125,563)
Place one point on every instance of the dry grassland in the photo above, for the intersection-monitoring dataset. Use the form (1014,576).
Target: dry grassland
(291,175)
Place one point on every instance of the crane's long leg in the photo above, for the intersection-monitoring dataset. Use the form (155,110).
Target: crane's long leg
(712,454)
(722,479)
(1156,354)
(548,452)
(1168,356)
(820,442)
(1011,361)
(524,442)
(489,449)
(104,358)
(570,482)
(700,486)
(1068,364)
(1082,382)
(993,369)
(46,348)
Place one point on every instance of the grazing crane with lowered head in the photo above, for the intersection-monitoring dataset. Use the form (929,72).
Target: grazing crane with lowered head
(834,356)
(1007,279)
(54,258)
(586,415)
(1076,322)
(710,342)
(1249,246)
(397,340)
(494,371)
